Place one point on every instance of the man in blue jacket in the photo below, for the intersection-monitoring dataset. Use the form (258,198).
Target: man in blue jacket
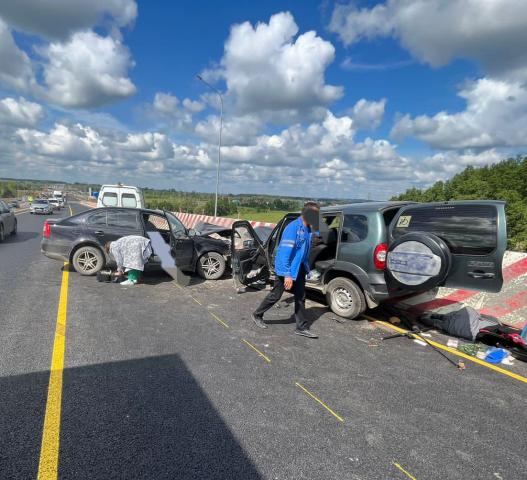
(291,267)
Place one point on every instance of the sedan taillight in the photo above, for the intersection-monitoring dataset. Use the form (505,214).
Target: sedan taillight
(46,230)
(379,256)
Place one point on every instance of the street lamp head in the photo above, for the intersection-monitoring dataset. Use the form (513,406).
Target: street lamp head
(199,77)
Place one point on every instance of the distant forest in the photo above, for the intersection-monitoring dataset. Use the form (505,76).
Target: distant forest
(506,180)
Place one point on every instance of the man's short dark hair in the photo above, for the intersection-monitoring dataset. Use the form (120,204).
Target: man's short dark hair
(310,206)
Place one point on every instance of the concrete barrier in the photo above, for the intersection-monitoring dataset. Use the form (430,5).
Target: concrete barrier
(190,220)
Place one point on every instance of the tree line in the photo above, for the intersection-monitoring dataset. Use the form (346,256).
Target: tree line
(506,180)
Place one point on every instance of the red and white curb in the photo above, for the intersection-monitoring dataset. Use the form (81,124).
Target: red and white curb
(190,220)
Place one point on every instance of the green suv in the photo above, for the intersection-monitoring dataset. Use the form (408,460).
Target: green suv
(369,252)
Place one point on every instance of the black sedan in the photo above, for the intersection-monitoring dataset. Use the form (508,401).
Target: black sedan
(80,240)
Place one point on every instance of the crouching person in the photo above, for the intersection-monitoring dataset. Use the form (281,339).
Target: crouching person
(130,254)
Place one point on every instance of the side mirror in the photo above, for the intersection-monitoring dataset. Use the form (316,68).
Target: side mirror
(191,232)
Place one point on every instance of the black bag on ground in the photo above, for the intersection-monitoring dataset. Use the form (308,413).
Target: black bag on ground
(104,276)
(503,336)
(464,323)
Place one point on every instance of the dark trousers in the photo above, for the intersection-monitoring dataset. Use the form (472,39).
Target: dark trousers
(299,291)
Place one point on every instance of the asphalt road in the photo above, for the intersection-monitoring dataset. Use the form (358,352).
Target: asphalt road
(162,382)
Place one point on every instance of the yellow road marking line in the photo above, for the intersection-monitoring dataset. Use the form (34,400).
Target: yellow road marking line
(453,351)
(314,397)
(404,471)
(197,301)
(49,451)
(71,211)
(265,357)
(219,320)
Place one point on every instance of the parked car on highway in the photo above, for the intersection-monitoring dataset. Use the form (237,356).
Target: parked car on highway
(80,239)
(370,252)
(41,206)
(8,223)
(55,203)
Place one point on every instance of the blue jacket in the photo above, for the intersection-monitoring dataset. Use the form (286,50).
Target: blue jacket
(293,250)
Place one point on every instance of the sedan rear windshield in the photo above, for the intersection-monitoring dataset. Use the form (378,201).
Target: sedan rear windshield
(466,229)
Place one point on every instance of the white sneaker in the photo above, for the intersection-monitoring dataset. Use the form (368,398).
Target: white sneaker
(128,282)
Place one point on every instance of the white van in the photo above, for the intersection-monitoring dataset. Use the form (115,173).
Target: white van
(120,196)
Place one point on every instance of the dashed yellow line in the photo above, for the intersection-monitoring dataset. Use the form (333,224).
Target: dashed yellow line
(453,351)
(265,357)
(314,397)
(49,451)
(409,475)
(219,320)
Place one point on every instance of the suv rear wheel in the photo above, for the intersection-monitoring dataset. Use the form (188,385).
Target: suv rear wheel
(345,298)
(88,260)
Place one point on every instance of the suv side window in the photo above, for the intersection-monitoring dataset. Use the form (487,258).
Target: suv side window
(466,229)
(354,229)
(122,219)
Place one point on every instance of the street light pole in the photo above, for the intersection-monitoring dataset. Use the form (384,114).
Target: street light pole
(215,90)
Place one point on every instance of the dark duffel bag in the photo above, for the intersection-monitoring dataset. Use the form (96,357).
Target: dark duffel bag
(104,276)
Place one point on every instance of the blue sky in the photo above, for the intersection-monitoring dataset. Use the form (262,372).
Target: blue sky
(321,98)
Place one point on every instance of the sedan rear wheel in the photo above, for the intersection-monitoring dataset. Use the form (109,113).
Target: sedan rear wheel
(88,260)
(211,266)
(2,233)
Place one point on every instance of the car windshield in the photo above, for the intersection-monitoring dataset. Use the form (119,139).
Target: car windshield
(40,202)
(178,229)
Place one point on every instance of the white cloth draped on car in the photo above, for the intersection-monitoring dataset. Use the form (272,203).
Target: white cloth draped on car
(131,252)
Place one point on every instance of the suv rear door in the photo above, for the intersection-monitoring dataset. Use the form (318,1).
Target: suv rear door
(271,246)
(453,244)
(248,255)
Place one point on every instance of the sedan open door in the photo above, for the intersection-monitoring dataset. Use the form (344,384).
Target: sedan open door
(453,244)
(249,260)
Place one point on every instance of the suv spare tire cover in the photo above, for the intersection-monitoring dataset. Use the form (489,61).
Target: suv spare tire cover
(418,261)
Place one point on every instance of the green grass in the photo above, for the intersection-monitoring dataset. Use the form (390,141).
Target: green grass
(272,216)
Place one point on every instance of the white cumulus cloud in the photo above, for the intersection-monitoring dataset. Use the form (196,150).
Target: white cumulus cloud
(368,114)
(496,116)
(87,70)
(16,70)
(268,68)
(19,112)
(436,32)
(58,19)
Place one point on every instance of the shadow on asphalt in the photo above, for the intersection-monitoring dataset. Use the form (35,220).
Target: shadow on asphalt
(20,237)
(145,418)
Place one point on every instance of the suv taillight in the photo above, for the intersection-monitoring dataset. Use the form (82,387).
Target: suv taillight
(46,230)
(379,256)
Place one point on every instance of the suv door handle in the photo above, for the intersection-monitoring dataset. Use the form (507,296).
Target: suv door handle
(477,274)
(98,232)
